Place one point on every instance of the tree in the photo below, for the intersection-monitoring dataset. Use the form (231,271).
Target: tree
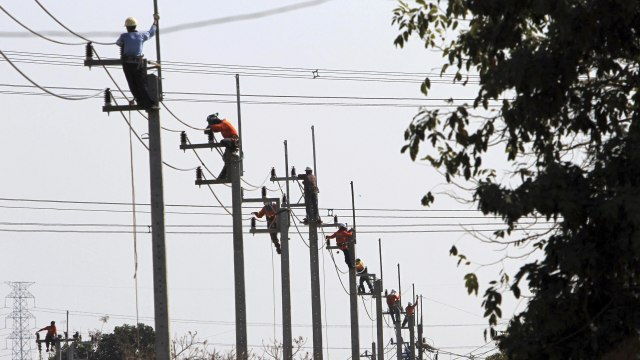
(126,342)
(558,88)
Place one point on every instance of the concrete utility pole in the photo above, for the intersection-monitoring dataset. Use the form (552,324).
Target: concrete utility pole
(420,346)
(158,248)
(311,204)
(287,336)
(353,290)
(379,315)
(373,350)
(232,162)
(233,169)
(398,324)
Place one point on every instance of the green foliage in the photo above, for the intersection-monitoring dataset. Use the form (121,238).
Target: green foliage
(564,77)
(123,344)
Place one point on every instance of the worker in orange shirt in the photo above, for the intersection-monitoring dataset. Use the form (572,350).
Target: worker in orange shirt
(395,308)
(52,332)
(362,271)
(229,138)
(409,312)
(343,238)
(270,210)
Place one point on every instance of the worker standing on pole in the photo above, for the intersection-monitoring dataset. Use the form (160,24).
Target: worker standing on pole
(409,311)
(395,308)
(271,211)
(312,181)
(362,271)
(230,139)
(343,238)
(52,332)
(133,65)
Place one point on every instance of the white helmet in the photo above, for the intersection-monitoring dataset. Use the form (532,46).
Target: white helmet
(130,21)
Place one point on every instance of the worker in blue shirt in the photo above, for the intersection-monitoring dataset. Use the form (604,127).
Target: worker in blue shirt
(132,60)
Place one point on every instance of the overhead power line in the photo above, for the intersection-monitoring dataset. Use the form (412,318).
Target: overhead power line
(179,27)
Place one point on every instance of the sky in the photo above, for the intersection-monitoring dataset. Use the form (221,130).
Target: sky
(56,149)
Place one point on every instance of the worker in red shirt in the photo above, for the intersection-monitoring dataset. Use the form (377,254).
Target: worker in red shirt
(270,210)
(52,332)
(229,138)
(395,308)
(310,181)
(409,312)
(343,237)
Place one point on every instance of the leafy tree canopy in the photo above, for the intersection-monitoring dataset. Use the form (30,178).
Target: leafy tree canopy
(558,93)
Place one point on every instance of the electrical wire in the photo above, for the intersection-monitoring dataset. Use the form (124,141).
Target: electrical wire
(35,32)
(68,29)
(40,87)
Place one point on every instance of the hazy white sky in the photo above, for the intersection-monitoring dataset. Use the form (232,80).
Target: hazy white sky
(55,149)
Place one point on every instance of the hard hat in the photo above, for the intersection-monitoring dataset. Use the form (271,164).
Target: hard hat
(213,119)
(358,260)
(308,169)
(342,226)
(393,291)
(130,21)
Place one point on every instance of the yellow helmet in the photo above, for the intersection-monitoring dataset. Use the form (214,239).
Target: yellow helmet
(130,21)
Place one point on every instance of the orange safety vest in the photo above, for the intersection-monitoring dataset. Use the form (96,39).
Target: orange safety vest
(410,309)
(360,266)
(392,299)
(225,128)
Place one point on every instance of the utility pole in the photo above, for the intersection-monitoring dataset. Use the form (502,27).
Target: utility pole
(412,326)
(158,247)
(398,324)
(373,351)
(287,336)
(420,348)
(379,315)
(311,204)
(353,290)
(232,160)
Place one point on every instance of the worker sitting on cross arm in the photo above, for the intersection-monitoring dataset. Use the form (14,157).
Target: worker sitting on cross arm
(270,210)
(133,66)
(395,308)
(343,238)
(409,311)
(230,139)
(51,334)
(362,271)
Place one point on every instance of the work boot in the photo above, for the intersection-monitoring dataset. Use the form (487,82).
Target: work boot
(360,289)
(278,250)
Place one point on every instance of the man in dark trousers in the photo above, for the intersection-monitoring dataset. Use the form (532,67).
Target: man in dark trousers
(52,332)
(363,272)
(393,301)
(343,238)
(229,139)
(133,65)
(271,212)
(410,310)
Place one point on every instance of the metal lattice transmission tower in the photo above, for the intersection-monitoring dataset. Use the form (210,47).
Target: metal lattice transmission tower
(22,320)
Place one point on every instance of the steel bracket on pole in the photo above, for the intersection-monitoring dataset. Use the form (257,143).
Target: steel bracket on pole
(263,231)
(211,182)
(110,108)
(284,178)
(260,200)
(102,62)
(201,146)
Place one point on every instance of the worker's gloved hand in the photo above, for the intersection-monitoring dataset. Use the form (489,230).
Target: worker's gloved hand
(326,237)
(156,17)
(254,213)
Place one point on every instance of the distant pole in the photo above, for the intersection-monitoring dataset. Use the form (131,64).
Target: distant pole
(311,203)
(380,255)
(286,170)
(353,290)
(398,324)
(373,351)
(412,325)
(287,338)
(66,334)
(234,172)
(239,123)
(313,140)
(377,286)
(420,348)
